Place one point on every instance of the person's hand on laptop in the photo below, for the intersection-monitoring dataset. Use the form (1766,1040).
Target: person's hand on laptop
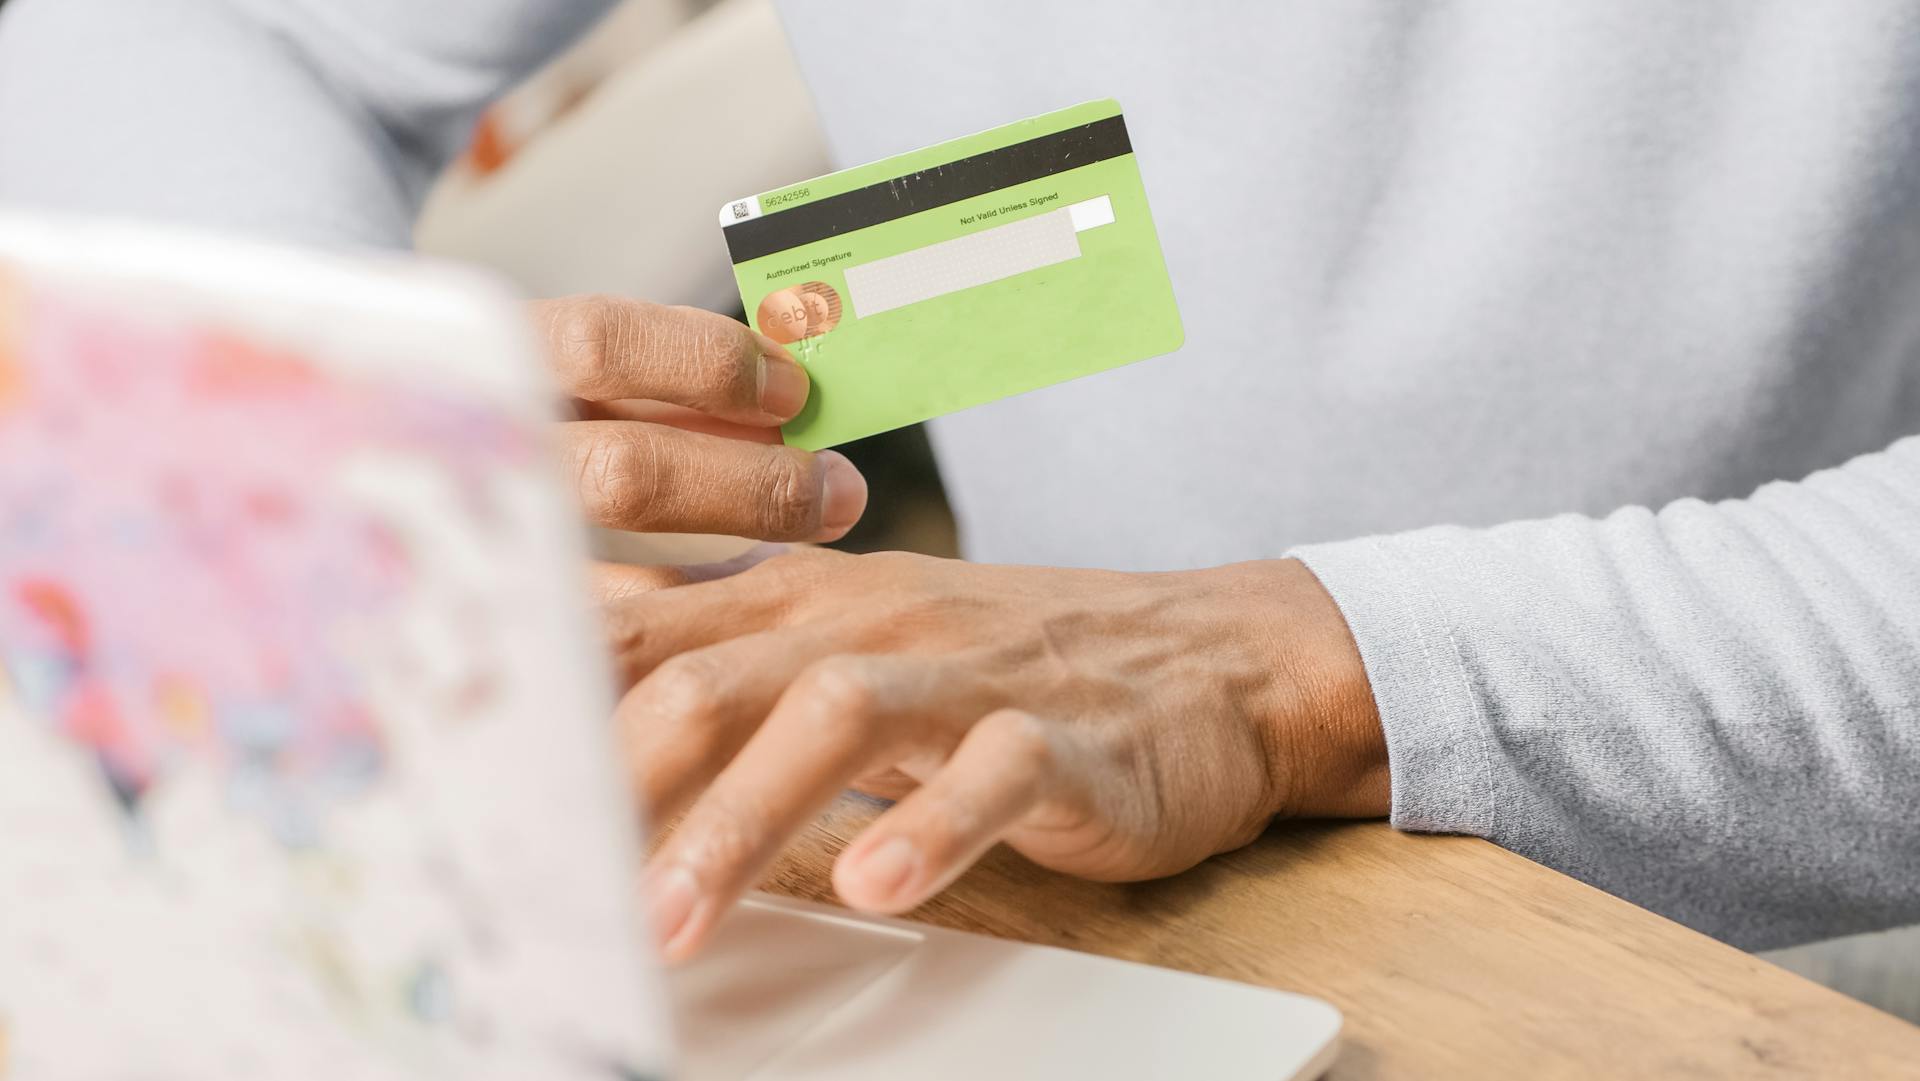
(1115,726)
(678,424)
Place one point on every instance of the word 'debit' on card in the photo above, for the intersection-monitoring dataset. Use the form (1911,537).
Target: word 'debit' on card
(965,272)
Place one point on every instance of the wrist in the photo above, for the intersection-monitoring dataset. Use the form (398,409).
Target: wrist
(1326,749)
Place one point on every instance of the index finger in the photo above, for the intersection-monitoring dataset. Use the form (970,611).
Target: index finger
(647,628)
(606,348)
(837,718)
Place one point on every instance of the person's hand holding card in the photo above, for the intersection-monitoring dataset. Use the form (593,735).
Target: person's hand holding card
(677,430)
(979,268)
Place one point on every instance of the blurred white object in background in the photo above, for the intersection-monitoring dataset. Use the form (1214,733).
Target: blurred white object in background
(601,174)
(617,194)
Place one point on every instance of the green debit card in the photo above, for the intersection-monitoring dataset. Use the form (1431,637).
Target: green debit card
(969,271)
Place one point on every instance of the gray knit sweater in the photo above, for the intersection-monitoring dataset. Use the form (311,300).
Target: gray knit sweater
(1467,263)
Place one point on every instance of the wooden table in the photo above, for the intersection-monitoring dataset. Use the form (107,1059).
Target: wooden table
(1450,957)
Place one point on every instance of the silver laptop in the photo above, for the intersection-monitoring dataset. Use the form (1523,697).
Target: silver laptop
(305,769)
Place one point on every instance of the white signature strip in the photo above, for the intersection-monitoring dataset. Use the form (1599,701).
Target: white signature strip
(975,259)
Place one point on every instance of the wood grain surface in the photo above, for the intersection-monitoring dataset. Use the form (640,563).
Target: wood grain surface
(1450,957)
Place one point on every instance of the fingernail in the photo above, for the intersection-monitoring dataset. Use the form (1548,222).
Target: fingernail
(783,386)
(889,868)
(671,897)
(843,496)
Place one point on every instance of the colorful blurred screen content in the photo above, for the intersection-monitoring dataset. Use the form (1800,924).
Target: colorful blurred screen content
(291,704)
(965,272)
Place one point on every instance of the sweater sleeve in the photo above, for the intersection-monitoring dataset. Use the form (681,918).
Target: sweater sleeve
(1710,710)
(317,121)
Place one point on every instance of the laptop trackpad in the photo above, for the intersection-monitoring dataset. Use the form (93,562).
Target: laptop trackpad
(766,978)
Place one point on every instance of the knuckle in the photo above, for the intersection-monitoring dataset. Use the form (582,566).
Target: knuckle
(808,566)
(899,562)
(793,577)
(577,332)
(598,471)
(626,635)
(947,823)
(598,339)
(686,687)
(908,575)
(1022,739)
(574,323)
(842,692)
(618,476)
(726,836)
(713,353)
(789,493)
(718,339)
(630,582)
